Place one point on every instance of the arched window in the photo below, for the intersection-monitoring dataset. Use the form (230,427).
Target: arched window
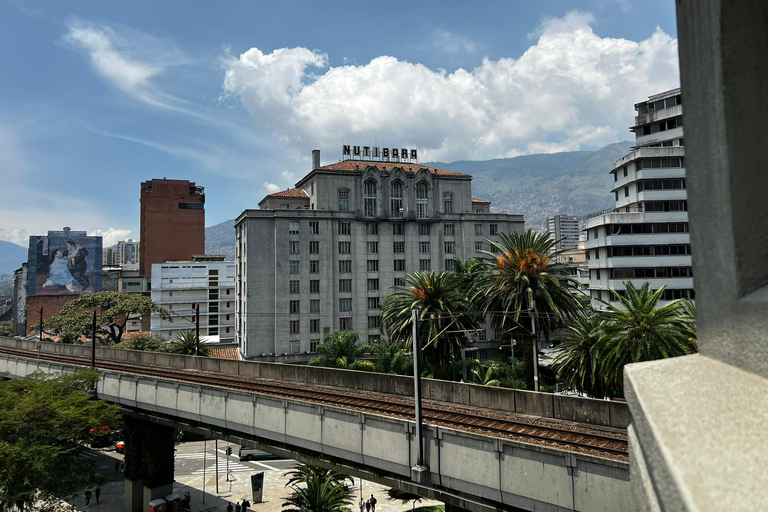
(422,192)
(369,195)
(396,199)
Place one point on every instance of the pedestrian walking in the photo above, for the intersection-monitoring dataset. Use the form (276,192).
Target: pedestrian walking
(237,507)
(373,503)
(368,506)
(246,504)
(122,466)
(87,499)
(97,493)
(362,505)
(117,465)
(229,507)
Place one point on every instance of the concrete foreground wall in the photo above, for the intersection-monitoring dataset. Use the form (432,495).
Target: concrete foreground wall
(486,473)
(548,405)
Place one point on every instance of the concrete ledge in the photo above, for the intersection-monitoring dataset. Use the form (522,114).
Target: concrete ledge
(700,427)
(596,412)
(537,404)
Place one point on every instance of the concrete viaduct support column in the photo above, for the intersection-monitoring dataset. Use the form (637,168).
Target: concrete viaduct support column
(148,462)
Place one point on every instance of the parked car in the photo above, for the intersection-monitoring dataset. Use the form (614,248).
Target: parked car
(246,453)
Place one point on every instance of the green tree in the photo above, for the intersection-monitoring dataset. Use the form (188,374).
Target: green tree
(638,329)
(442,310)
(339,349)
(42,421)
(487,373)
(391,357)
(317,490)
(146,343)
(577,358)
(113,311)
(185,343)
(518,271)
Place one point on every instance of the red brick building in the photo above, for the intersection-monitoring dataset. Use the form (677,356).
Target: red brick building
(172,222)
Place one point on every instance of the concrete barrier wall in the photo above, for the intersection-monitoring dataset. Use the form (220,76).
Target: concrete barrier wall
(583,410)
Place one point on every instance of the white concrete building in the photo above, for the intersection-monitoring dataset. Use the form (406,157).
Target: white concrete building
(564,228)
(207,281)
(321,257)
(127,255)
(646,236)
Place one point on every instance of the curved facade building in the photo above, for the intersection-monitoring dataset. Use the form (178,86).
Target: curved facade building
(646,236)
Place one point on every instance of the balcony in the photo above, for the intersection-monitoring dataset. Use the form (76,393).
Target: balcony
(644,152)
(658,115)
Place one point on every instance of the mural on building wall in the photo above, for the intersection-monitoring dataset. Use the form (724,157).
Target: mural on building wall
(64,262)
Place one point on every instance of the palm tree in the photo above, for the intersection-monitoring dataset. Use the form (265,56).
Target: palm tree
(390,357)
(442,310)
(638,329)
(577,358)
(339,349)
(521,272)
(186,343)
(488,373)
(317,490)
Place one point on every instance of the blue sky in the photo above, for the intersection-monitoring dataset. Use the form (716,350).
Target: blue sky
(96,97)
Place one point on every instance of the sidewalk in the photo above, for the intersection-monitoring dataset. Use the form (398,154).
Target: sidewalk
(113,492)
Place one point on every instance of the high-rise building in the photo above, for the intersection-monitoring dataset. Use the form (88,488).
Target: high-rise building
(646,238)
(172,222)
(127,255)
(107,258)
(322,256)
(205,281)
(565,230)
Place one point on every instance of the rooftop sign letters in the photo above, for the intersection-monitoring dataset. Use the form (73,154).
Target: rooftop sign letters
(378,154)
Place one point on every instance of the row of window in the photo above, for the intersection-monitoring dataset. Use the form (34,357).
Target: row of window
(645,228)
(665,206)
(653,163)
(670,184)
(345,285)
(345,324)
(649,250)
(661,126)
(659,105)
(372,228)
(651,273)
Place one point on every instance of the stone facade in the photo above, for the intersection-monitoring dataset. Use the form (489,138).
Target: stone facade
(303,272)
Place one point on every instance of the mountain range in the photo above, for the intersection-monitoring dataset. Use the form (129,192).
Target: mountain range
(537,186)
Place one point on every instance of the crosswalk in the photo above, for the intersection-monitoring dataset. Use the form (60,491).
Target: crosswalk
(234,467)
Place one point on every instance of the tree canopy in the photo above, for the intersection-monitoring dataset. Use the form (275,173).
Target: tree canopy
(340,349)
(317,490)
(113,310)
(42,421)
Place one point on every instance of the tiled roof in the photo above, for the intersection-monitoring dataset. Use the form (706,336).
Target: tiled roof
(224,353)
(474,200)
(291,192)
(358,165)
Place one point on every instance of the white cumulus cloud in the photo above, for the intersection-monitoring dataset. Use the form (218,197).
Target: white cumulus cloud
(271,188)
(569,90)
(111,236)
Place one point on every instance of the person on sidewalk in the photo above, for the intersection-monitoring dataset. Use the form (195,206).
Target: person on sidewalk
(97,493)
(117,465)
(230,508)
(87,499)
(373,503)
(362,505)
(237,507)
(368,506)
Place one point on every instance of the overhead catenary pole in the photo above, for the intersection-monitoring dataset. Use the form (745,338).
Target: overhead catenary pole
(93,343)
(535,347)
(205,452)
(41,323)
(216,454)
(197,329)
(417,387)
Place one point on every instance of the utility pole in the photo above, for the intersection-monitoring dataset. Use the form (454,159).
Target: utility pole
(205,452)
(216,453)
(197,331)
(93,343)
(41,323)
(535,347)
(419,472)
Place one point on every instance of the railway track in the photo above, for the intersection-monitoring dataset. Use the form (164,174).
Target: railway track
(577,438)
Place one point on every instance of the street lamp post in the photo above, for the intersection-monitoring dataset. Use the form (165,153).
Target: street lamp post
(419,472)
